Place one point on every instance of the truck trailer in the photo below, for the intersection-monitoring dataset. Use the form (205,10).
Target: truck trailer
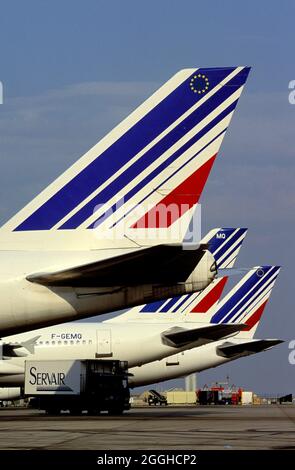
(77,385)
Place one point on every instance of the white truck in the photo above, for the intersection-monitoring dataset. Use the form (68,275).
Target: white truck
(77,386)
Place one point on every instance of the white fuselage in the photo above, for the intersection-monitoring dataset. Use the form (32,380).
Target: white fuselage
(137,343)
(173,365)
(26,305)
(180,364)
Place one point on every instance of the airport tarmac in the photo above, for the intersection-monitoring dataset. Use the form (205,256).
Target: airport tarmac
(219,427)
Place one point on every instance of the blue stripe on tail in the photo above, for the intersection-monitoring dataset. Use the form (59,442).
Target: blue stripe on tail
(121,151)
(254,283)
(154,153)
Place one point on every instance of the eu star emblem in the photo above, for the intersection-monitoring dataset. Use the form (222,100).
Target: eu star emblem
(199,84)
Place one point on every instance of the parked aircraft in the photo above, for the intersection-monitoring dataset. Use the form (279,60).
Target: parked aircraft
(107,234)
(119,338)
(243,305)
(248,310)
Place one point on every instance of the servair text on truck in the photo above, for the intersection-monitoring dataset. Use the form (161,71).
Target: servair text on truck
(74,385)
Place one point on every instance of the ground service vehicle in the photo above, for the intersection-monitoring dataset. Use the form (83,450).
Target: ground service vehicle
(155,398)
(77,386)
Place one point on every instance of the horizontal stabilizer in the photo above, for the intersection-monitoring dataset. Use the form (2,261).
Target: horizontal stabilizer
(152,265)
(245,349)
(177,337)
(29,345)
(229,272)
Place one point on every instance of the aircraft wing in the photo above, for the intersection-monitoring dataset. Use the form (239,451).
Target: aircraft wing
(152,265)
(247,348)
(177,337)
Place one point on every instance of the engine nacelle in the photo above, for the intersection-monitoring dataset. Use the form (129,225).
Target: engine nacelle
(7,394)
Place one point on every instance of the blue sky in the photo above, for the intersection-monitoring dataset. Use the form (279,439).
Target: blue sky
(71,70)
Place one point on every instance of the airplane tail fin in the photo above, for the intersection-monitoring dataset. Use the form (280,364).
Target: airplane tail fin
(226,244)
(246,302)
(146,175)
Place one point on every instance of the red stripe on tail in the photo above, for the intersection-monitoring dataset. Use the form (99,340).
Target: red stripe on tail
(255,317)
(213,296)
(179,201)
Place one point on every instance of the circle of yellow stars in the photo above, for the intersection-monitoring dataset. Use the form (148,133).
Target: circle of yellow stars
(199,83)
